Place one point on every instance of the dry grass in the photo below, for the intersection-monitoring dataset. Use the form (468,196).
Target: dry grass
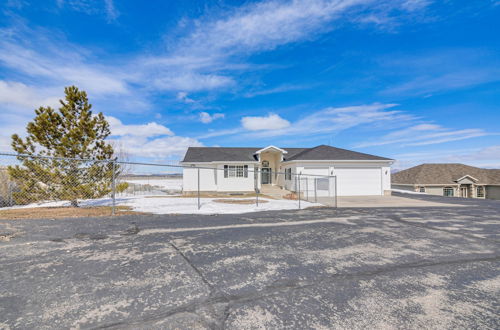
(238,201)
(62,212)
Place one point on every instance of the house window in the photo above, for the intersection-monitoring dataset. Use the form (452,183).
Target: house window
(448,191)
(236,171)
(265,163)
(422,189)
(480,191)
(288,174)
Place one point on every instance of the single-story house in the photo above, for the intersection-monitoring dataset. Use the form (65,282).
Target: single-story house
(245,169)
(457,180)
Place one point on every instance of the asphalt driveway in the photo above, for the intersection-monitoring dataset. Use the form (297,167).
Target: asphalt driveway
(351,268)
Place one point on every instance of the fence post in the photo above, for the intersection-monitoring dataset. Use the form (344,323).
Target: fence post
(113,184)
(315,190)
(299,190)
(199,204)
(307,189)
(336,192)
(10,194)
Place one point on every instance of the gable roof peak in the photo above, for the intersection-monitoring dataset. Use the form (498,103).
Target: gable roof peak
(271,147)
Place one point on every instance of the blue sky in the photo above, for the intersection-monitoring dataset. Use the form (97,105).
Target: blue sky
(415,80)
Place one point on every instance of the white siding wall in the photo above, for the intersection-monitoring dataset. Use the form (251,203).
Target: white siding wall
(213,179)
(207,179)
(235,184)
(289,184)
(386,178)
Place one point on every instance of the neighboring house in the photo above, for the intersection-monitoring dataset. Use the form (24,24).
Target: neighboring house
(450,180)
(244,169)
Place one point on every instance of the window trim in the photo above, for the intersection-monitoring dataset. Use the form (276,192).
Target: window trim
(235,171)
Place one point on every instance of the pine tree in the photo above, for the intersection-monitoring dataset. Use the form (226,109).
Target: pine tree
(71,132)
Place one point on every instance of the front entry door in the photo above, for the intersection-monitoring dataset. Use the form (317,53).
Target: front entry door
(464,192)
(266,175)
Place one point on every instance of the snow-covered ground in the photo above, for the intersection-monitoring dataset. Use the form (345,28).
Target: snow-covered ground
(182,205)
(162,183)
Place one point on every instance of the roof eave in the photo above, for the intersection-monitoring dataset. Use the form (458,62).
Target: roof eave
(342,160)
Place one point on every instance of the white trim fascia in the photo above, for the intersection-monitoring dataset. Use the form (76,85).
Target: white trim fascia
(465,176)
(271,147)
(221,162)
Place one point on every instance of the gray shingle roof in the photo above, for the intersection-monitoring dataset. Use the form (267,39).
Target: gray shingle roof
(322,152)
(445,174)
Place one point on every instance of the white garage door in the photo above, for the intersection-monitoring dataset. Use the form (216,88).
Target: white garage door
(315,180)
(359,181)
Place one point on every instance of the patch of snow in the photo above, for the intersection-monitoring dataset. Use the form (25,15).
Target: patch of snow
(179,205)
(189,205)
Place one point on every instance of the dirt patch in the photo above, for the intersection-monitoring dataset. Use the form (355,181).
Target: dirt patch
(238,201)
(62,212)
(291,196)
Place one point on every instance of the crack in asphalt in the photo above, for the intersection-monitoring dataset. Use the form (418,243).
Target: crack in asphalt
(204,280)
(285,286)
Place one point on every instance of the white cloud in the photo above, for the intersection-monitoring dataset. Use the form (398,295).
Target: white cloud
(215,46)
(92,79)
(150,140)
(190,81)
(5,144)
(207,118)
(59,64)
(183,97)
(326,121)
(92,7)
(424,134)
(111,12)
(223,132)
(201,60)
(275,90)
(444,70)
(270,122)
(147,130)
(20,95)
(158,148)
(330,120)
(266,25)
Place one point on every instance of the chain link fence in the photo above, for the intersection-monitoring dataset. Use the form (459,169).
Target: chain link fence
(106,187)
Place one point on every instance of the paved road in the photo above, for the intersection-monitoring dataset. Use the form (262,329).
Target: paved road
(318,268)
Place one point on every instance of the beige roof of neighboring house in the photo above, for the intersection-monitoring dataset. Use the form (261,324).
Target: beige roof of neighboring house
(445,174)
